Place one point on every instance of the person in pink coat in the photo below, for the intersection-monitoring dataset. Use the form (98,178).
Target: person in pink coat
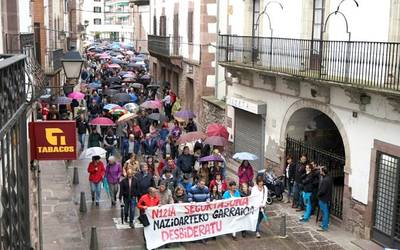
(246,173)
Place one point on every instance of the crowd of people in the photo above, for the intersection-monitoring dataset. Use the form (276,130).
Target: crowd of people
(146,166)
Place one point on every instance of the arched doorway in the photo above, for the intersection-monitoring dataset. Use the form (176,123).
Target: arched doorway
(313,132)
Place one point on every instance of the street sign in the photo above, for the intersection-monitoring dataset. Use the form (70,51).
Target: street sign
(53,140)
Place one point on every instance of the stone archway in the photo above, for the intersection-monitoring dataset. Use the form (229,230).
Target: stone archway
(301,104)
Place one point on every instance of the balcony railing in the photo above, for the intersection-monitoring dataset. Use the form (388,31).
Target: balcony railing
(164,45)
(140,2)
(362,64)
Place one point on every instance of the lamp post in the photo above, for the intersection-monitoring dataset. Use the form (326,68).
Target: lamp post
(72,64)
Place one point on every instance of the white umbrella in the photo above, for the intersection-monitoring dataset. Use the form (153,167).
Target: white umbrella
(94,151)
(245,156)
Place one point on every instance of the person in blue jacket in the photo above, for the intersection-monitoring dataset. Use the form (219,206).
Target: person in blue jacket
(199,192)
(232,192)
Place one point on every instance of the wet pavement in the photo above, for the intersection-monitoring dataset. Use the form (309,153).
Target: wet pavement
(66,228)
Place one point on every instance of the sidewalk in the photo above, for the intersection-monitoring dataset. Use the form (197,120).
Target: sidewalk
(66,228)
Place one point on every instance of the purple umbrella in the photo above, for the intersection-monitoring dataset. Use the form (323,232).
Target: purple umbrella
(185,114)
(211,158)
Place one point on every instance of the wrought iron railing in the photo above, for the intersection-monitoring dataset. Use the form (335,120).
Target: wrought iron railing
(14,166)
(164,45)
(363,64)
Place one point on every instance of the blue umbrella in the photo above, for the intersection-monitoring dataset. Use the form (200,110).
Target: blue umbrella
(245,156)
(133,97)
(110,106)
(94,85)
(63,100)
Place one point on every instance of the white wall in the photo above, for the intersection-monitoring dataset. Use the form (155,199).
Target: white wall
(25,16)
(379,121)
(1,32)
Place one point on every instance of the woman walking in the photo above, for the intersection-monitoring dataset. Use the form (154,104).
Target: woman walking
(113,174)
(261,192)
(96,174)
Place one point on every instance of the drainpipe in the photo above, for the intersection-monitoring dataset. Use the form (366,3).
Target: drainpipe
(217,53)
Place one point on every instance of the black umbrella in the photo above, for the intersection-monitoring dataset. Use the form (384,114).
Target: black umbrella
(153,86)
(115,86)
(110,92)
(157,117)
(121,97)
(114,79)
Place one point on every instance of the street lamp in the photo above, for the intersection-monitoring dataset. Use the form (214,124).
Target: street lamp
(72,63)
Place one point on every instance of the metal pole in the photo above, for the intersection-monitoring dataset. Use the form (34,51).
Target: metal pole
(283,233)
(40,206)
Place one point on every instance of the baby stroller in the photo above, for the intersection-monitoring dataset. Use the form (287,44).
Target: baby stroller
(274,184)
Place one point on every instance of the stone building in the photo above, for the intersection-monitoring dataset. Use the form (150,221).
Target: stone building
(181,48)
(319,77)
(141,21)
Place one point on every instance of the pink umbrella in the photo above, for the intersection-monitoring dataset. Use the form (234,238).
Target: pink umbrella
(115,66)
(76,95)
(102,121)
(104,57)
(151,105)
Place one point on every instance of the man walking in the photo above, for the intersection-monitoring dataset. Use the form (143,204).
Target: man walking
(324,197)
(129,192)
(298,183)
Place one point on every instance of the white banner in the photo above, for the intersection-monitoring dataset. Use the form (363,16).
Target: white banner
(182,222)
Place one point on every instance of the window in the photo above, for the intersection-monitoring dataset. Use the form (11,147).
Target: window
(97,0)
(190,27)
(163,26)
(97,21)
(97,9)
(318,19)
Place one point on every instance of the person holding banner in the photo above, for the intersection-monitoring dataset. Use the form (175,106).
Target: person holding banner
(180,194)
(232,192)
(261,192)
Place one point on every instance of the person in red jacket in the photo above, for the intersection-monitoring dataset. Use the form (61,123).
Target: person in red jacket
(96,174)
(219,182)
(151,199)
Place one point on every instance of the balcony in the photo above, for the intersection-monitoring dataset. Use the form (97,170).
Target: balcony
(54,62)
(368,65)
(140,2)
(165,46)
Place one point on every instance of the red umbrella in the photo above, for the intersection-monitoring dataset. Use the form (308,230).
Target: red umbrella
(191,136)
(216,141)
(217,129)
(102,121)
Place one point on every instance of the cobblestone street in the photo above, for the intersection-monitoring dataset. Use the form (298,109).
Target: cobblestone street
(66,228)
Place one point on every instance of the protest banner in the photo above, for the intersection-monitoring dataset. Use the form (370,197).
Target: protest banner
(182,222)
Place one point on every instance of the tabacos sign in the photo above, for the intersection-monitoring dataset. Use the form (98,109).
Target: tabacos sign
(53,140)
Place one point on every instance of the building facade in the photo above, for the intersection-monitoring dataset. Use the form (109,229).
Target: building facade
(109,20)
(141,20)
(319,77)
(180,45)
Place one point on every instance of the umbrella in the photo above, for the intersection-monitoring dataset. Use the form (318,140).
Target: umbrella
(94,85)
(117,61)
(115,86)
(151,105)
(105,57)
(76,95)
(129,80)
(126,75)
(114,66)
(145,77)
(185,114)
(157,117)
(121,97)
(191,136)
(134,98)
(245,156)
(114,79)
(132,107)
(63,100)
(110,92)
(90,152)
(45,97)
(216,141)
(211,158)
(118,111)
(153,86)
(136,85)
(111,106)
(217,129)
(126,118)
(102,121)
(129,52)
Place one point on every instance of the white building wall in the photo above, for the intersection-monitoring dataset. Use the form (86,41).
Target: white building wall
(379,121)
(25,16)
(1,32)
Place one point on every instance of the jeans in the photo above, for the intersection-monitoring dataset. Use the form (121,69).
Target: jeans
(297,197)
(259,220)
(110,151)
(95,188)
(289,186)
(81,138)
(129,209)
(136,147)
(307,202)
(113,191)
(325,214)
